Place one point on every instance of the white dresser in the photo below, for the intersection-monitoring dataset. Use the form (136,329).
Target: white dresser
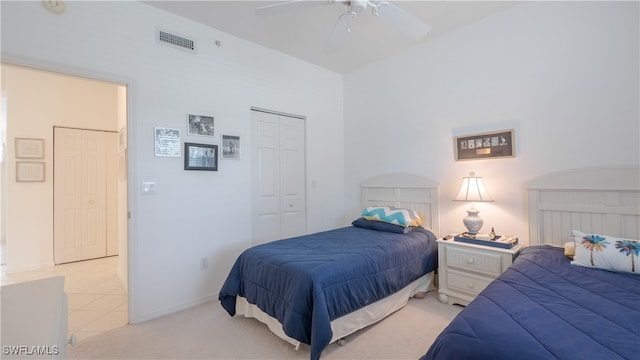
(466,269)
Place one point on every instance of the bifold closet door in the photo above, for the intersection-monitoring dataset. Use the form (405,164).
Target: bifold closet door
(278,177)
(80,193)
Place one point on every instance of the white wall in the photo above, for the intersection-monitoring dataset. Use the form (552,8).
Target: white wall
(36,101)
(563,74)
(194,214)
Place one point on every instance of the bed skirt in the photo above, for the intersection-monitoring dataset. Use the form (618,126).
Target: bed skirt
(351,322)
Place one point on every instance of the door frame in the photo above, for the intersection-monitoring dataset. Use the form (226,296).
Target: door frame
(132,175)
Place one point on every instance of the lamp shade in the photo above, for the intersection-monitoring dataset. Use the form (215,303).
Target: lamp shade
(473,189)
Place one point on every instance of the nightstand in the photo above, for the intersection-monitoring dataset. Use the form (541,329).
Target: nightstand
(466,269)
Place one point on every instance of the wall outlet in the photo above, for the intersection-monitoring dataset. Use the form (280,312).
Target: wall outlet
(204,263)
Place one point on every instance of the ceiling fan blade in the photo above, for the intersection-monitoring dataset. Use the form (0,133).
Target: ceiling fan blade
(402,19)
(339,32)
(275,9)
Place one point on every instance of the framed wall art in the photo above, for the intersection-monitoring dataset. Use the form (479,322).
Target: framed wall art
(231,147)
(199,125)
(167,142)
(485,145)
(27,171)
(200,157)
(29,148)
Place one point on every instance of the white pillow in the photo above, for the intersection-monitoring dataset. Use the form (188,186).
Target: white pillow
(606,252)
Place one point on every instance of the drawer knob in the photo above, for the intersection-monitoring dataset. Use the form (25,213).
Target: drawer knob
(469,261)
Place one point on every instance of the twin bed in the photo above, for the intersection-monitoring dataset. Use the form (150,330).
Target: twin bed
(319,288)
(545,307)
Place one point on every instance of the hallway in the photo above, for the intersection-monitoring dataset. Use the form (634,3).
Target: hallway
(97,300)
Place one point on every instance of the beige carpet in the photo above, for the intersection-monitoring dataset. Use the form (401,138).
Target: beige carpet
(208,332)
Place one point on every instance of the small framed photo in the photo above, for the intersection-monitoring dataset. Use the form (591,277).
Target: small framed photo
(200,125)
(27,171)
(167,142)
(231,147)
(29,148)
(200,157)
(485,145)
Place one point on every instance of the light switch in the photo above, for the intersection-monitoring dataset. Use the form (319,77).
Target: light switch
(149,187)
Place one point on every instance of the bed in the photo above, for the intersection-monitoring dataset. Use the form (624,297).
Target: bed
(318,288)
(546,307)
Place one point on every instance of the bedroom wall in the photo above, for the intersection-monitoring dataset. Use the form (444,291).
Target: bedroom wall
(564,75)
(194,214)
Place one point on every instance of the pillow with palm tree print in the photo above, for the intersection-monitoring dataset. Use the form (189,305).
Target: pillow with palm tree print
(606,252)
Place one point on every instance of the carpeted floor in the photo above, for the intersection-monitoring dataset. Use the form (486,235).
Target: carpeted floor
(208,332)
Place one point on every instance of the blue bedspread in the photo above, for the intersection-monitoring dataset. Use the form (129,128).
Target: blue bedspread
(308,281)
(544,308)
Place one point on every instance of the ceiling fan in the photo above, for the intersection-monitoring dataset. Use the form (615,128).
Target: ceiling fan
(396,16)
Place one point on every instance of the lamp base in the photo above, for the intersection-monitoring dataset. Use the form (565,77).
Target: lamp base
(472,221)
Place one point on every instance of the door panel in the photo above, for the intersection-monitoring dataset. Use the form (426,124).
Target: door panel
(80,194)
(67,196)
(278,177)
(94,195)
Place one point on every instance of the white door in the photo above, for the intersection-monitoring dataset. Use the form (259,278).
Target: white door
(80,193)
(278,177)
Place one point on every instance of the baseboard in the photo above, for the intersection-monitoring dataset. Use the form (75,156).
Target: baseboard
(174,309)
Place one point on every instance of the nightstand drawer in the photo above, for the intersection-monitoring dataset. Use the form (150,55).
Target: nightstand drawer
(461,281)
(468,259)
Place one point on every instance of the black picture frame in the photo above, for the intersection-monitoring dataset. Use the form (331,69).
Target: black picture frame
(200,157)
(485,145)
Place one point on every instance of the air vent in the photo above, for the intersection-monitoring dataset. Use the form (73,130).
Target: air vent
(176,40)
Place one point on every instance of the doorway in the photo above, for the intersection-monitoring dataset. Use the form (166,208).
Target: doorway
(34,103)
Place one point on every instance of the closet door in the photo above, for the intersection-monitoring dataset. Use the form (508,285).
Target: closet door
(278,177)
(81,194)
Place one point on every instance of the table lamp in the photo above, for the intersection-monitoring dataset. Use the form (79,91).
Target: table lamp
(473,190)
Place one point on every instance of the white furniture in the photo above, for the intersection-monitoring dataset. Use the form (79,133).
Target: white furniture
(466,269)
(34,319)
(599,200)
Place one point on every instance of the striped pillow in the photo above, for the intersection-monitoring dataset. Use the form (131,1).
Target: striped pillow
(392,215)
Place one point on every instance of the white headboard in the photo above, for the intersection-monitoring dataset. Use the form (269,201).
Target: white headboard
(405,191)
(603,200)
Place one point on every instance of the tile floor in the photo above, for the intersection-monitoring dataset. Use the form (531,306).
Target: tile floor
(97,301)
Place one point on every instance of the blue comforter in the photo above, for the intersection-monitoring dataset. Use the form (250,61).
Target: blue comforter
(308,281)
(544,308)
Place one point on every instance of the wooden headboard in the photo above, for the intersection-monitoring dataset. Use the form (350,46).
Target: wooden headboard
(405,191)
(602,200)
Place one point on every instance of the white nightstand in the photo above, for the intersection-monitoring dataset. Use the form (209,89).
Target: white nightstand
(466,269)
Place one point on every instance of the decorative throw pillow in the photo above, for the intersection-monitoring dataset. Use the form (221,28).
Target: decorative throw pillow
(381,226)
(392,215)
(606,252)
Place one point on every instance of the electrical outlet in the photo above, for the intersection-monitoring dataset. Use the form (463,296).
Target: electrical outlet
(204,263)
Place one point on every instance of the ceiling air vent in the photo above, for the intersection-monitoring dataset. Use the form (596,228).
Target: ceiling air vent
(176,40)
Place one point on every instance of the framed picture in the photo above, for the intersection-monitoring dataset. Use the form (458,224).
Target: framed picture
(29,171)
(29,148)
(200,125)
(200,157)
(231,147)
(167,142)
(485,145)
